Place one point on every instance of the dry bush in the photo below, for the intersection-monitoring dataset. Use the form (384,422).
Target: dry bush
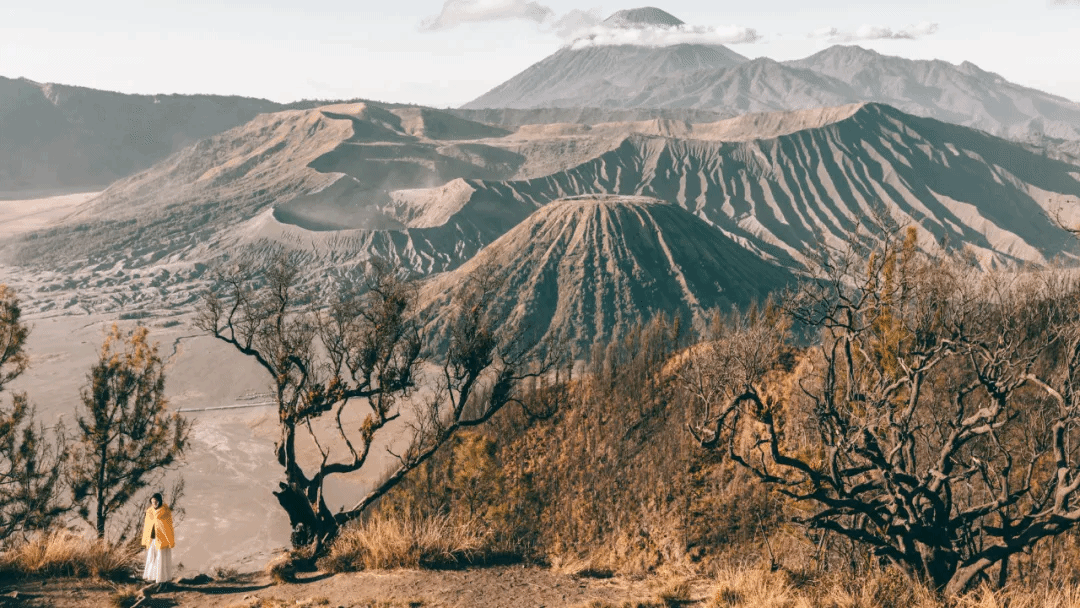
(67,553)
(407,541)
(124,598)
(675,593)
(282,569)
(757,587)
(888,588)
(581,568)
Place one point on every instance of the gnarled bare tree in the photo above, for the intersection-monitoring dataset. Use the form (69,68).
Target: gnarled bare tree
(361,347)
(934,418)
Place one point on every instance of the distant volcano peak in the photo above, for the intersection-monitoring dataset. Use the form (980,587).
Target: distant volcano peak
(643,17)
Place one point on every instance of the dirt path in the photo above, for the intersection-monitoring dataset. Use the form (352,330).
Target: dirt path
(497,587)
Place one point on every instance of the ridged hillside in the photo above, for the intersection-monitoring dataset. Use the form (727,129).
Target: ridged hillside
(820,174)
(341,184)
(588,268)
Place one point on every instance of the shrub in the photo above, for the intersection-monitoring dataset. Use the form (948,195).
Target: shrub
(408,541)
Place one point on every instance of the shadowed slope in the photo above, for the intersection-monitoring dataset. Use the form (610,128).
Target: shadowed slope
(58,136)
(589,268)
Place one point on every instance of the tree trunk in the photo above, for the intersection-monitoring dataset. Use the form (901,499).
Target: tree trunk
(104,456)
(302,520)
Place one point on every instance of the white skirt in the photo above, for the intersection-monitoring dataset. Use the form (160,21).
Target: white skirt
(158,564)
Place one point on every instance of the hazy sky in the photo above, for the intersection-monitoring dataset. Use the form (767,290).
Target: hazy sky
(444,53)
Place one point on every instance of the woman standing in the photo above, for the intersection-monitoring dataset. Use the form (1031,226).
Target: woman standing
(159,540)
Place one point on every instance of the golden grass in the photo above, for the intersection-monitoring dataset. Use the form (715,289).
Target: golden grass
(67,553)
(761,588)
(386,542)
(675,593)
(1065,596)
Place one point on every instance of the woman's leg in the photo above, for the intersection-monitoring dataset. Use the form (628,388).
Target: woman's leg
(153,557)
(164,571)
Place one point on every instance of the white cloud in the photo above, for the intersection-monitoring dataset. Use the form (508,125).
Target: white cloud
(572,23)
(584,28)
(601,35)
(876,32)
(456,12)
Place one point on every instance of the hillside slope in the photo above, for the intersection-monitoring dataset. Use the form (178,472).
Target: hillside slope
(57,136)
(588,268)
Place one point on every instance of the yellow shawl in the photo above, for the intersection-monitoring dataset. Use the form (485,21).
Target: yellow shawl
(160,521)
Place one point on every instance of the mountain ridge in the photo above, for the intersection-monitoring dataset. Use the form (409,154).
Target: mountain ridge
(963,94)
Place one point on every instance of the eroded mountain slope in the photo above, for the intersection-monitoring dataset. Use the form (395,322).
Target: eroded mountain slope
(340,184)
(589,268)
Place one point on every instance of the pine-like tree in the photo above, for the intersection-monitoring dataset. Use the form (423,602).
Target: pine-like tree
(29,462)
(126,437)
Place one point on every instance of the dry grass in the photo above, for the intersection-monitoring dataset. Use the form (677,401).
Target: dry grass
(761,588)
(746,587)
(67,553)
(675,593)
(1067,596)
(386,542)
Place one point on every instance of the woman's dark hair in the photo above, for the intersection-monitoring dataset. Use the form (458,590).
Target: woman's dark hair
(157,495)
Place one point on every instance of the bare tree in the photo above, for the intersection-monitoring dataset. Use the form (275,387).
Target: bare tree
(362,345)
(127,436)
(933,419)
(30,463)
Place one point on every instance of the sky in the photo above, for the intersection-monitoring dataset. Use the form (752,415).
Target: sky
(443,53)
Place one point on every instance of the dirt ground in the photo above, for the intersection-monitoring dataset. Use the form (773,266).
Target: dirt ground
(496,587)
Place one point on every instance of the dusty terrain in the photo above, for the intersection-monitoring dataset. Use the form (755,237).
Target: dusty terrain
(22,213)
(496,587)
